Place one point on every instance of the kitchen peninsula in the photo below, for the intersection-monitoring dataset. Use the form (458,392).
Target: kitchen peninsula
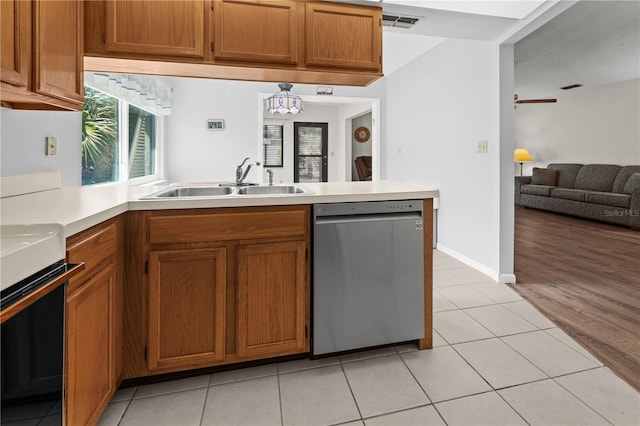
(141,253)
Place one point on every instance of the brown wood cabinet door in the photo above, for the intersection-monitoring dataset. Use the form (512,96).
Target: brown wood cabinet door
(250,31)
(343,36)
(58,43)
(15,39)
(151,27)
(90,378)
(271,299)
(186,308)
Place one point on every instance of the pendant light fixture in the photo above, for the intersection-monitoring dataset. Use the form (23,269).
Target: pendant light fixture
(284,102)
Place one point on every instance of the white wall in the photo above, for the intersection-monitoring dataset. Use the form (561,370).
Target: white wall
(586,125)
(22,143)
(196,154)
(346,112)
(437,108)
(359,148)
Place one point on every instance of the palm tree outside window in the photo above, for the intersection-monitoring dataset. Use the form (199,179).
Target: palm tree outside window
(119,140)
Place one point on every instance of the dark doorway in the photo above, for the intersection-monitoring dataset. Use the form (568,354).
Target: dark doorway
(310,146)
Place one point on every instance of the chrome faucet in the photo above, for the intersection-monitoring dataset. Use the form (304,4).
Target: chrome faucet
(242,174)
(270,172)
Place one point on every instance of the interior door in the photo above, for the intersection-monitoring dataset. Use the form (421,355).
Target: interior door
(310,147)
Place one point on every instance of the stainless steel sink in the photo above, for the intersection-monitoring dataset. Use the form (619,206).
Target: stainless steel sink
(192,191)
(273,189)
(235,185)
(217,191)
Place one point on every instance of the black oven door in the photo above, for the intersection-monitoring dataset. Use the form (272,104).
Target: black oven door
(32,338)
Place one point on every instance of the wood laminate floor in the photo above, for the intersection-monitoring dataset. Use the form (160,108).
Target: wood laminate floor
(585,276)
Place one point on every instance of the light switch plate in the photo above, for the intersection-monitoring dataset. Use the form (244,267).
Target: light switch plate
(482,147)
(52,146)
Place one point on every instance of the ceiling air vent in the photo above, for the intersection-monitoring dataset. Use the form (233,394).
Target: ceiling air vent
(398,21)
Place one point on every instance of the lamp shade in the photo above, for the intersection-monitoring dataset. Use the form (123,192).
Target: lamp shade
(284,102)
(521,155)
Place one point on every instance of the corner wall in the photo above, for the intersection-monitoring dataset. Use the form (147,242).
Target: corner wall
(22,143)
(438,107)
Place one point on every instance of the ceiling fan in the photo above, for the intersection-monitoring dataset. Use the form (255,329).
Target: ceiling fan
(517,101)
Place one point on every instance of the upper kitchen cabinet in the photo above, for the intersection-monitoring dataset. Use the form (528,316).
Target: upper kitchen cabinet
(164,28)
(343,36)
(42,54)
(253,40)
(250,31)
(16,43)
(58,39)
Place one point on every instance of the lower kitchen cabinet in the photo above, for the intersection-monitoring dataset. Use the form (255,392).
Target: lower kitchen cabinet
(271,299)
(221,286)
(93,330)
(186,307)
(90,348)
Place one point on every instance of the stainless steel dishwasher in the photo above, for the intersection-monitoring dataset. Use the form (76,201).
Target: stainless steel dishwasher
(368,274)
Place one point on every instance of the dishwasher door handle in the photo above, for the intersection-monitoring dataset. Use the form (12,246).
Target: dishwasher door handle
(330,220)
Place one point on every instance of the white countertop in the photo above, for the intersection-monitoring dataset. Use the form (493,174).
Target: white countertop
(26,249)
(79,208)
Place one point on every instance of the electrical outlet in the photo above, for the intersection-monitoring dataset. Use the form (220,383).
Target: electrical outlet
(52,146)
(482,147)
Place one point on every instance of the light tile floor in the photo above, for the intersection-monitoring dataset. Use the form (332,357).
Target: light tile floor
(496,361)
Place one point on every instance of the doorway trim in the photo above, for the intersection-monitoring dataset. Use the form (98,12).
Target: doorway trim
(544,14)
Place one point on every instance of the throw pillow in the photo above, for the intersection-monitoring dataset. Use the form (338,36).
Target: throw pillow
(544,177)
(632,183)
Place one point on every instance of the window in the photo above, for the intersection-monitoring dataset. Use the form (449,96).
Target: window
(142,142)
(120,140)
(273,142)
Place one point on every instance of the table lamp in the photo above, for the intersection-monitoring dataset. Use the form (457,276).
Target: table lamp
(521,155)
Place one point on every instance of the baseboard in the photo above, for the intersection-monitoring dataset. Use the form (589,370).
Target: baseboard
(507,278)
(470,262)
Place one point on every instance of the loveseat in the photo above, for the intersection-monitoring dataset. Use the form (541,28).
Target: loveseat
(603,192)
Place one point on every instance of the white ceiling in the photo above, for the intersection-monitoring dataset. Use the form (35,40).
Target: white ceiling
(438,22)
(517,9)
(592,43)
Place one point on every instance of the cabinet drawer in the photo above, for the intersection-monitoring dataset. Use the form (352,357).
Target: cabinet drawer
(92,247)
(226,226)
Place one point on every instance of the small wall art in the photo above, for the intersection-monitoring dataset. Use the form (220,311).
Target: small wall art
(215,124)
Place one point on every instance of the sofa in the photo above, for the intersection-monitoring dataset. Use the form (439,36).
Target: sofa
(603,192)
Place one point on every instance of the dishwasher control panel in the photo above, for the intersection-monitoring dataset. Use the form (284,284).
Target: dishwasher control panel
(368,207)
